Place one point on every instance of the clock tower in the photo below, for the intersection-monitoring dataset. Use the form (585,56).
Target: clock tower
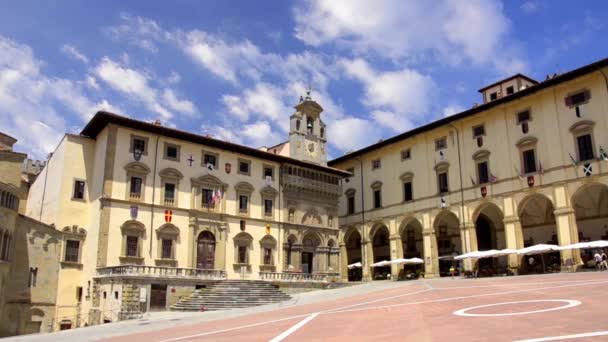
(307,132)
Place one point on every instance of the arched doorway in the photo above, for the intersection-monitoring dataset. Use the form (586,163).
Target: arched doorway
(449,243)
(205,251)
(353,254)
(538,226)
(412,244)
(489,230)
(590,205)
(381,250)
(310,242)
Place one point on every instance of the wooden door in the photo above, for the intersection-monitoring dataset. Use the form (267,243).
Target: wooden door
(205,251)
(158,297)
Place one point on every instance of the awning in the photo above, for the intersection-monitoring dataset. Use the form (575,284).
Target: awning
(381,263)
(538,249)
(355,265)
(410,261)
(584,245)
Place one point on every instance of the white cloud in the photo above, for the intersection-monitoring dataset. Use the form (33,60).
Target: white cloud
(92,82)
(183,106)
(350,133)
(133,83)
(452,30)
(72,52)
(137,31)
(392,121)
(174,78)
(529,7)
(222,133)
(452,109)
(260,134)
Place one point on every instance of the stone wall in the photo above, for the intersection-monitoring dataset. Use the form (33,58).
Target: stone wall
(129,306)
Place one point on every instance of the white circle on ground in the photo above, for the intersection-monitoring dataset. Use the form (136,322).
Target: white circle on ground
(569,304)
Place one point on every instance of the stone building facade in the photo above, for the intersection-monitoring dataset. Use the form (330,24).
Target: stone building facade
(527,166)
(158,212)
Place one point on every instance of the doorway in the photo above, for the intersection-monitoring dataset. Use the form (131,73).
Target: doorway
(307,262)
(158,297)
(205,251)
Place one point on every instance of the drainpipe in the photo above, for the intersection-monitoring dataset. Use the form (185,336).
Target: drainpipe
(153,194)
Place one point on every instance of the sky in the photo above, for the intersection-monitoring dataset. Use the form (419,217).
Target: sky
(235,69)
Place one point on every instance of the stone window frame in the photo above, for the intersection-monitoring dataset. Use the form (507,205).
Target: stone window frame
(172,176)
(350,193)
(171,232)
(242,239)
(246,161)
(268,241)
(207,182)
(440,168)
(139,137)
(166,145)
(137,229)
(5,245)
(584,127)
(409,154)
(530,117)
(376,164)
(587,92)
(482,156)
(407,177)
(525,144)
(267,166)
(73,233)
(268,193)
(482,126)
(84,191)
(243,189)
(376,186)
(438,143)
(136,169)
(215,154)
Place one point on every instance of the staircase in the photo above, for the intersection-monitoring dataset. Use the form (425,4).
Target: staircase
(231,294)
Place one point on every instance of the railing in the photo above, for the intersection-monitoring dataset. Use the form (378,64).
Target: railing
(296,276)
(302,183)
(169,202)
(159,271)
(135,196)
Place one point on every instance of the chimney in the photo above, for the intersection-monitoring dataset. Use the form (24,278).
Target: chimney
(157,122)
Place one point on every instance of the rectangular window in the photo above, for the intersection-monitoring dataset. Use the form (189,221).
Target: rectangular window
(523,116)
(585,147)
(207,198)
(268,207)
(351,205)
(136,187)
(407,191)
(72,249)
(132,242)
(510,90)
(169,193)
(167,249)
(479,131)
(139,145)
(210,159)
(244,167)
(267,256)
(441,144)
(442,179)
(79,293)
(493,96)
(268,172)
(242,254)
(482,172)
(171,152)
(578,98)
(375,164)
(243,203)
(406,154)
(529,161)
(377,198)
(78,189)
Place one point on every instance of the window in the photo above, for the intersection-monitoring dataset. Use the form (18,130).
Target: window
(139,144)
(510,90)
(309,125)
(351,205)
(330,221)
(267,256)
(210,159)
(268,171)
(132,246)
(243,203)
(577,100)
(407,192)
(136,187)
(297,125)
(268,207)
(171,152)
(442,180)
(33,278)
(529,160)
(115,294)
(493,96)
(322,132)
(482,172)
(523,116)
(169,193)
(78,190)
(72,248)
(242,254)
(441,144)
(377,198)
(79,293)
(406,154)
(375,164)
(105,294)
(585,147)
(207,198)
(244,167)
(479,131)
(167,249)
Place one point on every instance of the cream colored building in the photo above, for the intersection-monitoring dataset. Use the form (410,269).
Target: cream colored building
(525,167)
(155,212)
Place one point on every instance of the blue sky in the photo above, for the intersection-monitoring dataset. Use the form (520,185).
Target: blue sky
(235,69)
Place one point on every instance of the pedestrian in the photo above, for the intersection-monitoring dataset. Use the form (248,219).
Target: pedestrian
(598,260)
(452,271)
(604,263)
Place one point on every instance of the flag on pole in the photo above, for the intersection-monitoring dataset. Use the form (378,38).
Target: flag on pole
(574,162)
(473,181)
(492,178)
(603,154)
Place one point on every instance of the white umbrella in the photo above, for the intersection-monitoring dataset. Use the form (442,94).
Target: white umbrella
(580,245)
(477,255)
(407,261)
(355,265)
(599,244)
(538,249)
(506,252)
(381,263)
(416,261)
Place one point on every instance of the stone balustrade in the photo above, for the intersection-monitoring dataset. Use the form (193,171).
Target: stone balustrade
(302,183)
(160,272)
(298,276)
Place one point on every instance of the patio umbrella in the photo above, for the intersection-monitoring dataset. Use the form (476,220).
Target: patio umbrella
(506,251)
(381,263)
(477,255)
(538,249)
(415,261)
(583,245)
(355,265)
(410,261)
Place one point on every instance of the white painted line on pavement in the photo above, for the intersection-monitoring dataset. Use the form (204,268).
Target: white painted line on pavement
(514,284)
(565,337)
(294,328)
(467,297)
(377,300)
(569,304)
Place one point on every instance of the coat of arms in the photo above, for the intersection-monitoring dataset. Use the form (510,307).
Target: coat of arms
(228,167)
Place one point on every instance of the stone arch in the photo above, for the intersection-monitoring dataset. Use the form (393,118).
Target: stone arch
(381,249)
(449,242)
(311,262)
(590,204)
(489,232)
(537,220)
(412,244)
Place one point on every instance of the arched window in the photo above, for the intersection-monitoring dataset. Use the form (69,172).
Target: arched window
(309,125)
